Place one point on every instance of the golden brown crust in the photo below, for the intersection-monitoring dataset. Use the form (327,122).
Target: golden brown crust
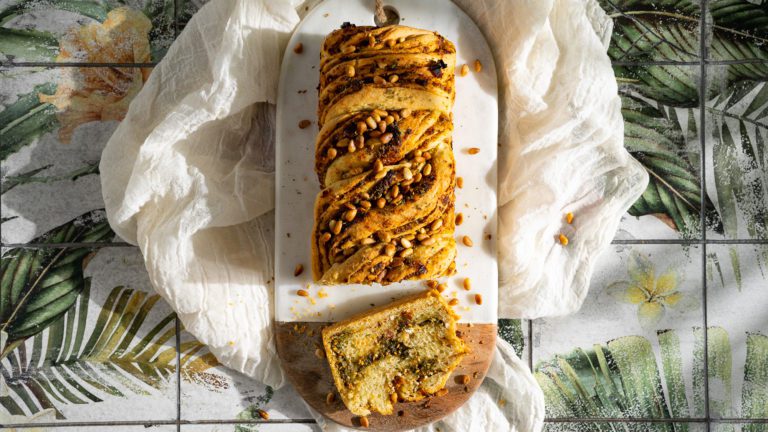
(384,157)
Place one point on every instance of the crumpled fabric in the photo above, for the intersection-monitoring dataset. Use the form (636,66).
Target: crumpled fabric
(188,177)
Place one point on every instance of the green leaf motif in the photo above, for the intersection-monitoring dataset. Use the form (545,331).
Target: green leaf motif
(39,285)
(674,190)
(26,120)
(31,176)
(95,9)
(511,330)
(28,45)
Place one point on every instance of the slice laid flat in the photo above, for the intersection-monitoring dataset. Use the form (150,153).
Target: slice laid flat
(402,351)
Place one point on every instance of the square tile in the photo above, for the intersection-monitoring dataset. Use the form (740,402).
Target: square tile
(135,31)
(661,130)
(55,124)
(739,427)
(515,331)
(634,348)
(738,31)
(624,427)
(736,151)
(87,337)
(737,301)
(653,31)
(211,391)
(242,427)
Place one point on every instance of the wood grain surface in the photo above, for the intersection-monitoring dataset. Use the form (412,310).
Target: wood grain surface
(299,345)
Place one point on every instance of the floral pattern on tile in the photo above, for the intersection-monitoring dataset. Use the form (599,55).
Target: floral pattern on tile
(737,301)
(83,336)
(86,32)
(54,123)
(634,348)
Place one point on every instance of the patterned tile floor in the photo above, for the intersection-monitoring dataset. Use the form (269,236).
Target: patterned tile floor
(672,337)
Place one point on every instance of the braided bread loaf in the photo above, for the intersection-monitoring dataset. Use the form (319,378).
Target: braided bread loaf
(384,157)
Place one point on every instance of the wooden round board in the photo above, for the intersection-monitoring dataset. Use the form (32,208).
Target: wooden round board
(299,319)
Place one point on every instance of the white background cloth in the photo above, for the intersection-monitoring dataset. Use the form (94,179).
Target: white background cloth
(187,176)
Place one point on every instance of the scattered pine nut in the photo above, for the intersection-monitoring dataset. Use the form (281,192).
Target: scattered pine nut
(364,421)
(460,182)
(393,398)
(478,66)
(442,392)
(298,270)
(459,218)
(332,153)
(432,283)
(563,240)
(478,299)
(302,293)
(464,70)
(467,284)
(319,353)
(381,202)
(393,78)
(464,379)
(330,398)
(569,217)
(442,287)
(467,241)
(299,48)
(473,150)
(350,71)
(304,124)
(453,302)
(263,414)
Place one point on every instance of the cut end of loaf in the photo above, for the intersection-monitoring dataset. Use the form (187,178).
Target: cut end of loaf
(404,351)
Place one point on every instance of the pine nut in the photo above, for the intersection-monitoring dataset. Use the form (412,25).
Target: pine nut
(365,205)
(299,269)
(467,241)
(364,421)
(331,153)
(459,218)
(379,80)
(464,70)
(442,287)
(432,283)
(460,182)
(376,116)
(464,379)
(382,126)
(390,250)
(453,302)
(350,215)
(365,196)
(351,147)
(330,398)
(428,241)
(319,353)
(405,113)
(378,166)
(348,49)
(389,119)
(350,71)
(263,414)
(422,237)
(478,299)
(563,240)
(304,124)
(406,252)
(467,284)
(436,225)
(478,66)
(407,174)
(387,137)
(299,48)
(393,79)
(380,175)
(384,236)
(406,243)
(367,241)
(427,170)
(370,122)
(393,398)
(391,43)
(473,150)
(302,293)
(569,217)
(381,202)
(336,228)
(325,237)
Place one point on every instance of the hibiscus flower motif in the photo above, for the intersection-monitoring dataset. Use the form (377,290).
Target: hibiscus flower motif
(653,295)
(89,94)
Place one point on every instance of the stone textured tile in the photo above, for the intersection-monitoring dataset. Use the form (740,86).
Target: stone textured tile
(625,427)
(635,347)
(135,31)
(261,427)
(54,123)
(653,31)
(738,30)
(87,338)
(736,151)
(662,131)
(737,301)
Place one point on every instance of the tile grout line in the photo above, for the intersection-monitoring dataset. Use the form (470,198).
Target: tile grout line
(703,55)
(530,345)
(178,373)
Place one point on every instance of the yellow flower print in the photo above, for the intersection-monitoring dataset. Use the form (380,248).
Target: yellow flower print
(652,294)
(99,93)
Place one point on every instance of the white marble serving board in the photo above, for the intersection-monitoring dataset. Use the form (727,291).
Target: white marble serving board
(475,125)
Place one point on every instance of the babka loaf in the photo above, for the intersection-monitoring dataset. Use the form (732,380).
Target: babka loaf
(384,157)
(402,351)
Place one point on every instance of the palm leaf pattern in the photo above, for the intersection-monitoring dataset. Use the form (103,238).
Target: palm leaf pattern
(122,354)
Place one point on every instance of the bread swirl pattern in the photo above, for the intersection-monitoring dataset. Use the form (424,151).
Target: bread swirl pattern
(384,157)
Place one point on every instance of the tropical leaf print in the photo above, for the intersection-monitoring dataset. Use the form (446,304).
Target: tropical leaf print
(25,120)
(39,285)
(122,354)
(511,330)
(622,379)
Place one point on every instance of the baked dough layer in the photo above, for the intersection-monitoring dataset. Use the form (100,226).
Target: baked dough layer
(384,157)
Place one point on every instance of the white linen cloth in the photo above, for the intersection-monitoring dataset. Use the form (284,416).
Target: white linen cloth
(187,176)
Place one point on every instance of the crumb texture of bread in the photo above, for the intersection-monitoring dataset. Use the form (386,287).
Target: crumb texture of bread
(399,352)
(384,157)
